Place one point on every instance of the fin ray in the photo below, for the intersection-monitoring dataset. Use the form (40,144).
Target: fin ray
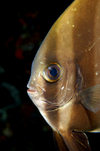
(76,141)
(90,98)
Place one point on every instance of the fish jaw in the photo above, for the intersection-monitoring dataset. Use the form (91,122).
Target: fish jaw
(40,102)
(36,98)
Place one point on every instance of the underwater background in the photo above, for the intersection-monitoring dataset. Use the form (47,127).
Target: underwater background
(22,29)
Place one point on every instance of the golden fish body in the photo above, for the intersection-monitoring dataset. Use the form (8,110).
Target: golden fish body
(65,78)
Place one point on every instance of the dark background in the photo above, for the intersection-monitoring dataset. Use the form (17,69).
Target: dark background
(22,29)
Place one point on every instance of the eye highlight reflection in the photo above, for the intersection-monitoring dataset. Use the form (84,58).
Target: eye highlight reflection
(52,72)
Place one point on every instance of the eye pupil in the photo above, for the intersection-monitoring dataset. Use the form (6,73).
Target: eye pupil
(53,71)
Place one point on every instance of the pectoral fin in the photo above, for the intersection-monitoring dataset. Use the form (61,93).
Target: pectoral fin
(90,98)
(76,141)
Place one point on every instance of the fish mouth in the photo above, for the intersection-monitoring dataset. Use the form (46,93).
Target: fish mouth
(30,90)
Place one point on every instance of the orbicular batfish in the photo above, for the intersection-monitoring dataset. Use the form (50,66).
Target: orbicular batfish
(65,75)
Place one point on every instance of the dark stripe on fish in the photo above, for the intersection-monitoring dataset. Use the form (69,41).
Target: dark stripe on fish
(83,36)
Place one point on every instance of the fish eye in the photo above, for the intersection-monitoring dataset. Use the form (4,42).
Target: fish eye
(52,72)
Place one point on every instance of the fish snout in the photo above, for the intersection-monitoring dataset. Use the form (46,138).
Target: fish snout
(34,91)
(31,90)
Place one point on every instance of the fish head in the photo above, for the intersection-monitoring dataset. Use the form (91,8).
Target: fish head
(52,80)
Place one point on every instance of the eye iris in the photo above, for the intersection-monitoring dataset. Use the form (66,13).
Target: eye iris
(52,73)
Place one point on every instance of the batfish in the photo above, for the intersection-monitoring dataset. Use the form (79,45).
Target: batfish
(65,77)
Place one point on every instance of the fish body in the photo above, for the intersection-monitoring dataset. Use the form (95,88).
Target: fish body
(65,75)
